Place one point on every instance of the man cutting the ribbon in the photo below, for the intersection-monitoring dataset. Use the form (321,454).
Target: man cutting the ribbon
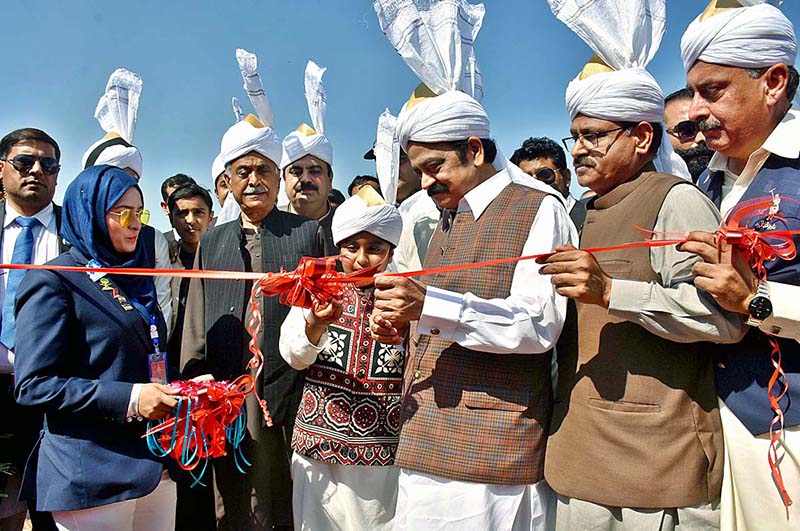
(636,385)
(740,67)
(477,392)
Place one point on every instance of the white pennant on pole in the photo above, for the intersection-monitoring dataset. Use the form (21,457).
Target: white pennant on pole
(387,156)
(315,96)
(248,66)
(237,109)
(118,108)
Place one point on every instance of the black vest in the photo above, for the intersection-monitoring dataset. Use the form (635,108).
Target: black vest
(285,238)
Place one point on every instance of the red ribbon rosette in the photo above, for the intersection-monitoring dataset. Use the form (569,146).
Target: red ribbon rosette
(207,415)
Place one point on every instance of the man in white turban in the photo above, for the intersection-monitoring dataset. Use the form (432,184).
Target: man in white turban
(117,112)
(739,64)
(342,467)
(655,423)
(477,396)
(215,338)
(307,160)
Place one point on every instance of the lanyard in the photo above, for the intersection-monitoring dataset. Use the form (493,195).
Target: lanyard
(158,359)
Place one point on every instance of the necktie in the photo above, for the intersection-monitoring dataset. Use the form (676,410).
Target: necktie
(447,219)
(23,254)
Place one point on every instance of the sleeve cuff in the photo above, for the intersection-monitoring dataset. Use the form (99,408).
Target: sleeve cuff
(133,403)
(441,312)
(628,295)
(785,318)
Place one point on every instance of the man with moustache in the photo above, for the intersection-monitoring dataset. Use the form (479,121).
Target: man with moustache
(636,383)
(686,138)
(307,161)
(29,166)
(215,338)
(740,67)
(477,393)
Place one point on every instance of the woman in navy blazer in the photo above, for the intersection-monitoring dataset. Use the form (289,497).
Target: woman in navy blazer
(83,356)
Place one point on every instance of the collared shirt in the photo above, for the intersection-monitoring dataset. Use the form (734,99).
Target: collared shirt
(529,320)
(784,141)
(570,202)
(45,248)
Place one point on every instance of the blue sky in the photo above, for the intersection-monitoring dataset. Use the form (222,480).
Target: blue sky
(59,54)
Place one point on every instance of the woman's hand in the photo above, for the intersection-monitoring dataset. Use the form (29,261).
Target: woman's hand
(156,401)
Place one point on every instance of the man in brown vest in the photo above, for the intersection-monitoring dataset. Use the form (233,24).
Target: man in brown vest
(635,440)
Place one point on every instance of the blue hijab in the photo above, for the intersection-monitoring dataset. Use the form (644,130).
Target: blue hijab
(87,201)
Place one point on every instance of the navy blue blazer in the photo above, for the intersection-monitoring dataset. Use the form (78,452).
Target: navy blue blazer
(78,354)
(743,369)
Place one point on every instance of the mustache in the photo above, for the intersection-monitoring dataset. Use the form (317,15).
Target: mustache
(584,160)
(709,124)
(305,185)
(255,190)
(437,188)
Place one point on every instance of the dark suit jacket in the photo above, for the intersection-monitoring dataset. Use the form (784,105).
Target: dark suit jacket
(215,334)
(78,354)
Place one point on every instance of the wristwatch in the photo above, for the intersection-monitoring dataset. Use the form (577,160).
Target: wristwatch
(760,306)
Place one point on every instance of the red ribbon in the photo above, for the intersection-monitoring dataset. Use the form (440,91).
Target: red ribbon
(197,428)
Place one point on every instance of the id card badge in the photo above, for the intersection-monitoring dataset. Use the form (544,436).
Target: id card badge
(158,359)
(158,368)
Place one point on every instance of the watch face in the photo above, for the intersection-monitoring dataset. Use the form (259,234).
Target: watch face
(760,308)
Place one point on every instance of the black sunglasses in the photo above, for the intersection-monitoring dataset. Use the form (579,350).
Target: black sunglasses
(546,175)
(24,163)
(684,131)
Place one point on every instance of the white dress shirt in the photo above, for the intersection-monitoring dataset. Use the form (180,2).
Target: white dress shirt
(529,320)
(45,248)
(784,141)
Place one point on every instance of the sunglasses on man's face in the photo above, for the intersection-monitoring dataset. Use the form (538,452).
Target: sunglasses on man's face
(546,175)
(24,163)
(685,131)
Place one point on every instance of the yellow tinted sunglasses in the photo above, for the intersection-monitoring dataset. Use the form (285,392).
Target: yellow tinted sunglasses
(126,217)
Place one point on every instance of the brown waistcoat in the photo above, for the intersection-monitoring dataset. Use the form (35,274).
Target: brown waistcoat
(469,415)
(635,420)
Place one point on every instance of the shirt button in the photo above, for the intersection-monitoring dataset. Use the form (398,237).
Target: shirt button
(232,308)
(417,374)
(435,331)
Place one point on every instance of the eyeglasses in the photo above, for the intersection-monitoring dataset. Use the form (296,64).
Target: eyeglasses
(590,140)
(546,175)
(24,163)
(684,131)
(126,217)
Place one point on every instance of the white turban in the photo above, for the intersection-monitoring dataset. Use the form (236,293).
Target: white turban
(625,34)
(437,44)
(307,140)
(217,167)
(117,112)
(450,117)
(757,36)
(298,144)
(249,135)
(364,215)
(114,151)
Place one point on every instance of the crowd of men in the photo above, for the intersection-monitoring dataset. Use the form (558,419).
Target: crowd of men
(623,389)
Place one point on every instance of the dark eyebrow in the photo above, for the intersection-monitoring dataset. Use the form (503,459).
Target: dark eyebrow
(432,160)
